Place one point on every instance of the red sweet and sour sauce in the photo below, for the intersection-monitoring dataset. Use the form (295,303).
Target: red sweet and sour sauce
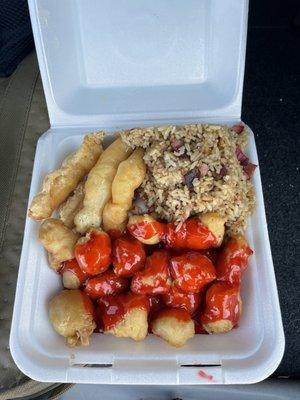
(113,309)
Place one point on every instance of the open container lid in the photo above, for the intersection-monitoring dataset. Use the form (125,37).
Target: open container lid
(103,62)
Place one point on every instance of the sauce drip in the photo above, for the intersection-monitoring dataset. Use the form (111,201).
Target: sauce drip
(203,374)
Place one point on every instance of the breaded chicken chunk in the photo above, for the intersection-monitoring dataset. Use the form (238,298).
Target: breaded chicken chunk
(174,325)
(124,315)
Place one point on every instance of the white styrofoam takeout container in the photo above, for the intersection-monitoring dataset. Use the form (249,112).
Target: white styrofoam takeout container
(129,63)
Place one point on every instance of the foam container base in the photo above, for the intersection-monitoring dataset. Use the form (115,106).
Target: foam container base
(142,63)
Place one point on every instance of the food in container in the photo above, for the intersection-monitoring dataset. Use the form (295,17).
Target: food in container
(187,251)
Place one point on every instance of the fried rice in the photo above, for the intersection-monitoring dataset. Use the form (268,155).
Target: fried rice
(194,169)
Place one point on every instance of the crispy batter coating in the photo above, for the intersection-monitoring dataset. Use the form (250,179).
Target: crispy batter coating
(58,240)
(145,219)
(71,314)
(221,326)
(71,206)
(70,280)
(54,262)
(60,183)
(215,224)
(98,186)
(130,175)
(134,325)
(170,326)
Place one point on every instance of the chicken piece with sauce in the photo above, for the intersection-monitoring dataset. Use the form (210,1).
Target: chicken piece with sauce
(196,233)
(124,315)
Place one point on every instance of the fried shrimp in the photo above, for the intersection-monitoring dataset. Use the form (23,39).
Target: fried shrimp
(129,177)
(60,183)
(97,189)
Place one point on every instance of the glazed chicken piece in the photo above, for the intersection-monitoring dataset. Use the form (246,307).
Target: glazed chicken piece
(223,308)
(124,315)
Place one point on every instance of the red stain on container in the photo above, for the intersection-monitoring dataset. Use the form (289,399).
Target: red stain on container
(204,375)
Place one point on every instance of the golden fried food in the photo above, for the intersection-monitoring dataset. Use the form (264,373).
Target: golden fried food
(215,223)
(71,314)
(53,262)
(221,326)
(174,325)
(223,308)
(145,228)
(124,315)
(72,275)
(58,240)
(60,183)
(130,175)
(115,217)
(71,206)
(97,189)
(134,325)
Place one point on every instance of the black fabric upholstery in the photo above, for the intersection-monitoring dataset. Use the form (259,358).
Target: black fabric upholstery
(16,39)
